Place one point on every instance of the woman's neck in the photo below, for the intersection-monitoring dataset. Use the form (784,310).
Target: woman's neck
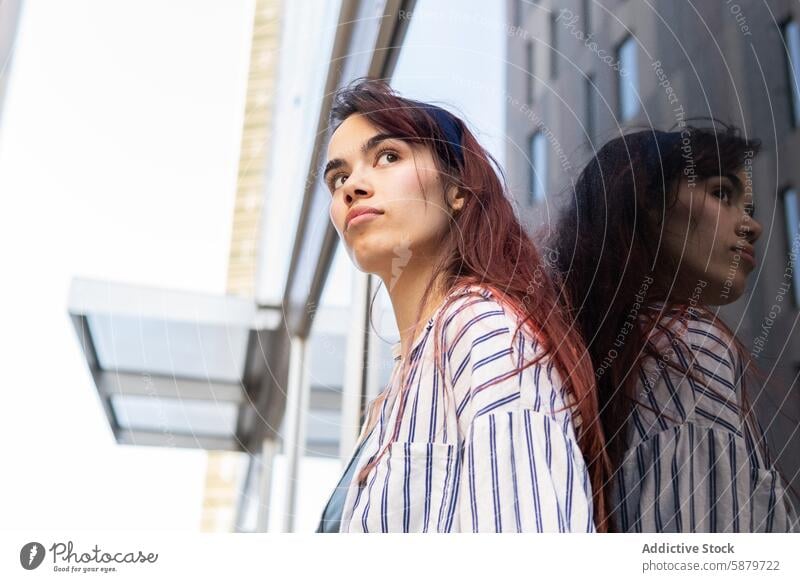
(406,290)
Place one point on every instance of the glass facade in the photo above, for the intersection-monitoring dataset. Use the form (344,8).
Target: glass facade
(538,161)
(791,206)
(791,36)
(628,79)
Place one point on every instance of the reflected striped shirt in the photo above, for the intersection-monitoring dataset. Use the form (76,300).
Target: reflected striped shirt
(692,464)
(473,455)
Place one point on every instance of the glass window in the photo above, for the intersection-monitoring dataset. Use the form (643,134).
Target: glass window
(586,9)
(589,105)
(174,415)
(517,12)
(538,162)
(529,66)
(628,79)
(553,45)
(791,35)
(791,206)
(170,348)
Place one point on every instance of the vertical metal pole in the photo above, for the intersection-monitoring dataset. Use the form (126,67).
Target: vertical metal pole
(269,448)
(354,365)
(296,414)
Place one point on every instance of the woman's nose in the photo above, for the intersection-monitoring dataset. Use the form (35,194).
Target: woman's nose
(355,193)
(757,229)
(749,228)
(355,187)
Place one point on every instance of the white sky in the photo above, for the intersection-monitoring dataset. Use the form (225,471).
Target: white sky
(118,158)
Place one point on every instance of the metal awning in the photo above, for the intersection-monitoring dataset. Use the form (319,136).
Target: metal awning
(173,368)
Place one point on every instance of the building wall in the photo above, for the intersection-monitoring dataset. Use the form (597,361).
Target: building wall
(722,59)
(226,470)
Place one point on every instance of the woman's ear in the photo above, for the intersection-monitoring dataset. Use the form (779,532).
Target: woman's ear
(455,198)
(660,215)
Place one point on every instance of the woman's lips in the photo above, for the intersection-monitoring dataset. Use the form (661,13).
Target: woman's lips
(366,217)
(747,254)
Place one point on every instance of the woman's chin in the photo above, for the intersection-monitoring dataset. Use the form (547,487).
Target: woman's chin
(369,261)
(725,292)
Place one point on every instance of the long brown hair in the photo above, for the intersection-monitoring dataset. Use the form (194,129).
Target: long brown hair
(486,246)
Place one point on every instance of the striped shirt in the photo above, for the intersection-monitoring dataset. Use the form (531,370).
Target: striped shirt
(472,456)
(692,464)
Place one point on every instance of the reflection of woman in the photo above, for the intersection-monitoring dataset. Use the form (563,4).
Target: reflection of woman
(659,231)
(478,428)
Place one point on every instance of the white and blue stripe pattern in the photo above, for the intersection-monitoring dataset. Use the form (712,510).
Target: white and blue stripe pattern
(692,465)
(471,456)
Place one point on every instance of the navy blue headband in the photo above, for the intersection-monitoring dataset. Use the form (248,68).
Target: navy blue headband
(448,125)
(666,140)
(660,144)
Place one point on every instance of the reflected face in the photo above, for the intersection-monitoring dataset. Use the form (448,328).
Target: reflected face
(710,232)
(398,182)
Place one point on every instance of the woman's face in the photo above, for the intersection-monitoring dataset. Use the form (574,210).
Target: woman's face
(710,232)
(369,169)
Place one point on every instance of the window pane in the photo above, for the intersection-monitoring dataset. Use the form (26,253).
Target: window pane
(791,33)
(538,156)
(589,98)
(178,416)
(628,79)
(529,64)
(169,348)
(553,45)
(586,9)
(791,206)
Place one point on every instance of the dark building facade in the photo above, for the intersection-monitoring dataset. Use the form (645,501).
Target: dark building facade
(581,71)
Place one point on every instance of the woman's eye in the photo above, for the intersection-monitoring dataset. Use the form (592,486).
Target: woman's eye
(387,153)
(334,181)
(723,194)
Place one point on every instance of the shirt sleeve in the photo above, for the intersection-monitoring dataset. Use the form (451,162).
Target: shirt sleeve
(522,470)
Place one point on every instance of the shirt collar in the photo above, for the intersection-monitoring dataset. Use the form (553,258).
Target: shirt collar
(397,347)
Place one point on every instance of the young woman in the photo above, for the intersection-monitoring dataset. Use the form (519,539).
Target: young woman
(479,428)
(660,230)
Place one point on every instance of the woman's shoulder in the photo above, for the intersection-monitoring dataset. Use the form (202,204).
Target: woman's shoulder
(462,308)
(476,305)
(696,338)
(692,326)
(483,315)
(468,298)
